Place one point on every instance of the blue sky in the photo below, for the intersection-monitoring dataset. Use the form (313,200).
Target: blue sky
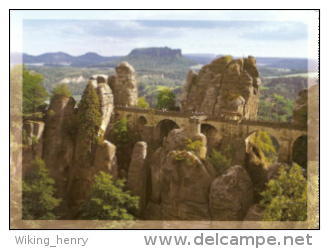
(258,33)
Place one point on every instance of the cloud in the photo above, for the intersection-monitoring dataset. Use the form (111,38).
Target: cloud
(119,37)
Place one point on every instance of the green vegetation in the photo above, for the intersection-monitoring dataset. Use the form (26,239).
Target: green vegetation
(142,103)
(220,162)
(124,140)
(263,141)
(166,99)
(285,198)
(123,136)
(38,201)
(34,93)
(276,108)
(89,119)
(108,200)
(194,146)
(62,90)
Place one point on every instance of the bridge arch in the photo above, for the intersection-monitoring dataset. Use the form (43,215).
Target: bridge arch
(214,137)
(141,121)
(299,151)
(163,128)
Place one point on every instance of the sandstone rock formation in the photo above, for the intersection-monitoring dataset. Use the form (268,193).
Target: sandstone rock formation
(185,187)
(223,87)
(231,195)
(33,142)
(180,180)
(123,85)
(105,159)
(257,170)
(106,102)
(59,146)
(255,213)
(136,182)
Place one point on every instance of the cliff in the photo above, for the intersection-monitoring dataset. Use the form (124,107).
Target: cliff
(224,87)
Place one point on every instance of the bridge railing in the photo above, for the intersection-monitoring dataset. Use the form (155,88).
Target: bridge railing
(223,119)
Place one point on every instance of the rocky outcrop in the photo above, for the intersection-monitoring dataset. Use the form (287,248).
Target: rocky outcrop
(224,87)
(136,182)
(32,143)
(105,97)
(123,85)
(180,180)
(257,169)
(255,213)
(231,195)
(59,146)
(300,110)
(185,187)
(157,52)
(105,159)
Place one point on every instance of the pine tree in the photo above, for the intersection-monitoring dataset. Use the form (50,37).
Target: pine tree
(90,119)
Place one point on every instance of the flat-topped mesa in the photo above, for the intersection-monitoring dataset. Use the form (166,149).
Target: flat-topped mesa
(224,87)
(124,85)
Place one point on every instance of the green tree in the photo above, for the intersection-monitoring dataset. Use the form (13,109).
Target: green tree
(108,200)
(34,94)
(62,90)
(220,162)
(285,198)
(142,103)
(166,99)
(38,201)
(90,120)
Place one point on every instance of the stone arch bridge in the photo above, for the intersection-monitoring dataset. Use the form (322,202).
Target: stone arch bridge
(160,123)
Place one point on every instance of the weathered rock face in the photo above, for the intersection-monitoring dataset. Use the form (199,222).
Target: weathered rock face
(223,87)
(300,110)
(180,181)
(257,170)
(59,146)
(136,182)
(255,213)
(185,188)
(231,195)
(106,102)
(123,85)
(105,159)
(33,143)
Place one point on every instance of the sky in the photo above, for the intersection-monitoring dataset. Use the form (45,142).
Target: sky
(238,33)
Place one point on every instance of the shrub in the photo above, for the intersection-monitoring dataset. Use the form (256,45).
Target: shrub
(108,200)
(285,198)
(38,201)
(220,162)
(62,90)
